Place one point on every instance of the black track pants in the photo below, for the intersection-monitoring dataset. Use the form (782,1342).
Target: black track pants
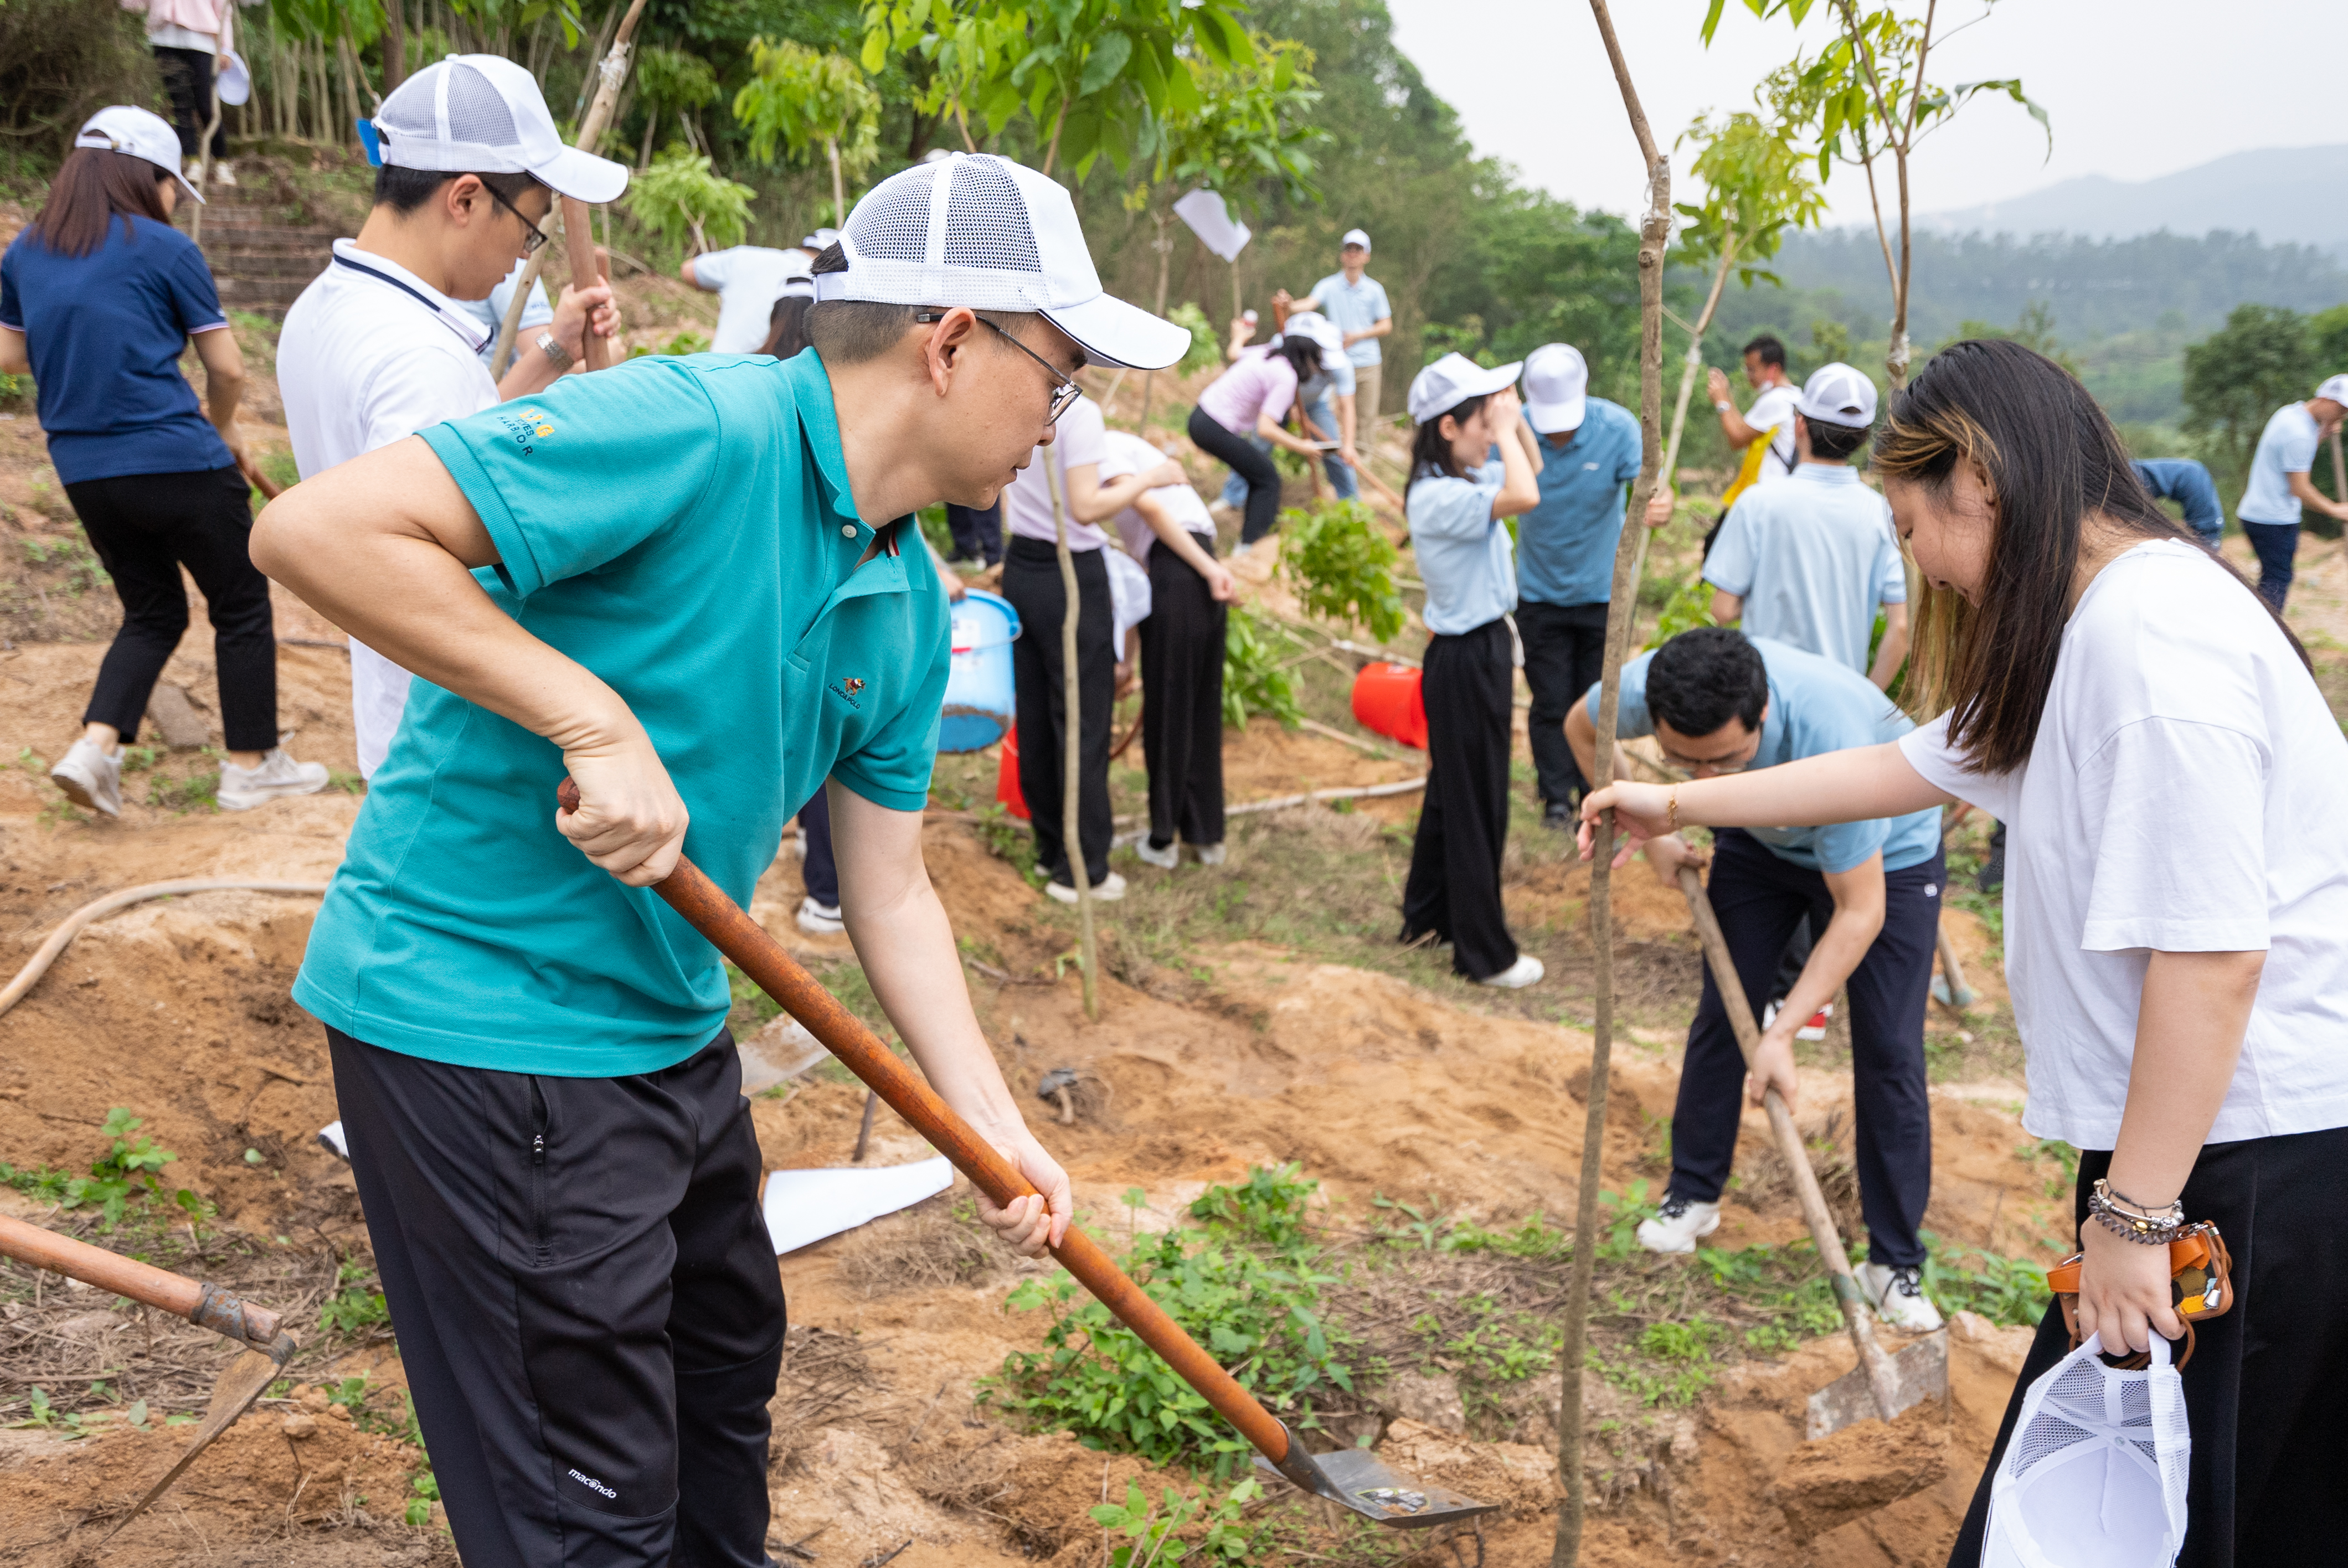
(1031,581)
(1183,700)
(1565,653)
(1454,862)
(586,1299)
(1262,474)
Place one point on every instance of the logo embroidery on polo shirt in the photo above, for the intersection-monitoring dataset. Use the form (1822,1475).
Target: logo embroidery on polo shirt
(527,426)
(849,688)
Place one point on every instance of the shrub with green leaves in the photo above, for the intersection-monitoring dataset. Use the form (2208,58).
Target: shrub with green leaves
(2002,1290)
(1253,681)
(1151,1528)
(681,197)
(127,1170)
(1206,350)
(1244,1282)
(1343,566)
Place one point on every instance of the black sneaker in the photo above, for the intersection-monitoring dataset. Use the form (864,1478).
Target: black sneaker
(1992,875)
(1562,817)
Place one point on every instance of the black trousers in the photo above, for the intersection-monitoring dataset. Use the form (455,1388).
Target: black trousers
(819,871)
(2277,545)
(1031,581)
(2268,1381)
(188,77)
(586,1298)
(1183,700)
(978,534)
(143,527)
(1262,474)
(1454,889)
(1759,899)
(1565,654)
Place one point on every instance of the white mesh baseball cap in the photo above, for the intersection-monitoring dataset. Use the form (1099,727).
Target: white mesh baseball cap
(1322,331)
(798,279)
(482,114)
(2094,1474)
(1837,394)
(1452,381)
(1556,388)
(140,133)
(2334,387)
(982,232)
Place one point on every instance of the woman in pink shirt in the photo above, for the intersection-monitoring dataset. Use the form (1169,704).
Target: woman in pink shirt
(1252,398)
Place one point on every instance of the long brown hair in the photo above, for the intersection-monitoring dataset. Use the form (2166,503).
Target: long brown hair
(787,332)
(92,186)
(2052,458)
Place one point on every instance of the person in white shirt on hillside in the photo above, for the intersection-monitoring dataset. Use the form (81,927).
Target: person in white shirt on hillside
(380,346)
(2172,780)
(2281,485)
(1771,416)
(747,280)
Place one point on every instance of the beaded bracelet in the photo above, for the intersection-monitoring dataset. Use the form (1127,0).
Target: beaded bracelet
(2124,1217)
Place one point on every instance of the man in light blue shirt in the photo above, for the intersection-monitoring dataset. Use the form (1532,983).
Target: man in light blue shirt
(2188,483)
(1719,703)
(1809,561)
(1565,556)
(1357,303)
(2280,484)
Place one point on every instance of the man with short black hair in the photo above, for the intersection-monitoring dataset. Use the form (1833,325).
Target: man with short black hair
(1720,703)
(1771,416)
(381,344)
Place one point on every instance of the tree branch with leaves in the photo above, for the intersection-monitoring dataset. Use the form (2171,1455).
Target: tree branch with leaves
(800,98)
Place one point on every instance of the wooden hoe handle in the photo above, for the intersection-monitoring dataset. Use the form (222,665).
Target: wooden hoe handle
(759,956)
(205,1305)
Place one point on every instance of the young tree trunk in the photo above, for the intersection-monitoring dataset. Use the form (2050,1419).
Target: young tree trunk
(1654,232)
(1053,151)
(1696,360)
(839,191)
(1079,875)
(394,44)
(352,109)
(1165,248)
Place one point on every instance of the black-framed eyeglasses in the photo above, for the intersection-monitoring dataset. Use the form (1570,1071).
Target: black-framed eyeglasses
(1064,393)
(533,236)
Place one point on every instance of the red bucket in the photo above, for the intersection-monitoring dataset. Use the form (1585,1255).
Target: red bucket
(1006,775)
(1387,702)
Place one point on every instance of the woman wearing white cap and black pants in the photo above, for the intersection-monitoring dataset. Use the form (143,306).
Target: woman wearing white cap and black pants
(1457,502)
(97,297)
(2177,908)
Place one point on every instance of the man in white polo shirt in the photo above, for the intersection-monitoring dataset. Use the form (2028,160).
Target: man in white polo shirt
(2281,485)
(747,280)
(380,346)
(1357,303)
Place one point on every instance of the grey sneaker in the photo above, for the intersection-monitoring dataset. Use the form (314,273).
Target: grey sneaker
(90,778)
(1107,890)
(1898,1297)
(1209,854)
(241,789)
(1678,1224)
(1165,859)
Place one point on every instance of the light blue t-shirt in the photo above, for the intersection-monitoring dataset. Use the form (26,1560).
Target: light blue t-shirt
(1811,557)
(684,528)
(1814,706)
(536,313)
(2286,447)
(1565,546)
(1356,307)
(1465,554)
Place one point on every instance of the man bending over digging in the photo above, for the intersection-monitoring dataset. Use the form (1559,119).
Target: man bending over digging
(681,583)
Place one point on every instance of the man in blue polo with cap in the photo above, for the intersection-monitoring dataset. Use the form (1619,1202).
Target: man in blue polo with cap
(686,584)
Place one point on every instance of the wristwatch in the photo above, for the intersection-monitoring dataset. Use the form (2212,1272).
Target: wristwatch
(554,352)
(1723,407)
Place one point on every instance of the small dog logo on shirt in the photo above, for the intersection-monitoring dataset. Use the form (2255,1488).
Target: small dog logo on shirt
(592,1484)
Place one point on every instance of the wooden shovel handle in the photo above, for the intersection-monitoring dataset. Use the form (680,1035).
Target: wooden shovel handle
(757,955)
(206,1305)
(1882,1380)
(586,272)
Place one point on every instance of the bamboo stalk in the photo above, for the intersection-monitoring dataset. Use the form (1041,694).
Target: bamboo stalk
(1654,231)
(1079,876)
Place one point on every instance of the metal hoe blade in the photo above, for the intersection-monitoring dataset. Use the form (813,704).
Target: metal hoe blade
(1920,1369)
(1361,1480)
(246,1377)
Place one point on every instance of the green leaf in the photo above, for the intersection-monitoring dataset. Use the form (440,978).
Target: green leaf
(1109,54)
(1712,20)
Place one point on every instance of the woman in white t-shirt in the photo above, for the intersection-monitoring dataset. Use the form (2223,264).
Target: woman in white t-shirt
(2173,785)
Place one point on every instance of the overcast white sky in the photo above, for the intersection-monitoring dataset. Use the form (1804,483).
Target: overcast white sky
(2136,88)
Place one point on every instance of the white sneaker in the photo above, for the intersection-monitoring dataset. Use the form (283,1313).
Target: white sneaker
(1209,854)
(1678,1224)
(224,172)
(241,789)
(1239,550)
(1817,1028)
(90,778)
(796,844)
(1898,1297)
(331,1139)
(820,919)
(1526,970)
(1109,891)
(1165,859)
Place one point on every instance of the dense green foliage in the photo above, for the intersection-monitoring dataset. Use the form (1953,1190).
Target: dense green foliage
(1342,563)
(1253,679)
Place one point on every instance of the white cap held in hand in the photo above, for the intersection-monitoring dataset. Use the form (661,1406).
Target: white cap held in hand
(1452,381)
(1556,388)
(139,133)
(990,234)
(482,114)
(1837,394)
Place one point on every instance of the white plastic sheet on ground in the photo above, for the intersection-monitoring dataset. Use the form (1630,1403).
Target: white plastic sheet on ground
(803,1207)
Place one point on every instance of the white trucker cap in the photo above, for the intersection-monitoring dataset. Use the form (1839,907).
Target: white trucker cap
(482,114)
(140,133)
(982,232)
(1556,388)
(1837,394)
(1452,381)
(1355,237)
(799,280)
(2334,387)
(1321,330)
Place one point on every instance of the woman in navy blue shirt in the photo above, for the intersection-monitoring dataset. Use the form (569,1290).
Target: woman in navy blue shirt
(97,297)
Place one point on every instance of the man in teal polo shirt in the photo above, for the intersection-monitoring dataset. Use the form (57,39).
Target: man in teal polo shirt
(679,582)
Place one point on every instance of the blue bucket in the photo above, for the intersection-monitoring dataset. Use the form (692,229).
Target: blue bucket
(980,703)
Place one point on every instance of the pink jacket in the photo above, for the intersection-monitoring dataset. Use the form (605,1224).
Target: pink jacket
(196,15)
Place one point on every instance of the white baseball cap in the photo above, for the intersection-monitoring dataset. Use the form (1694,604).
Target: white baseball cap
(2094,1473)
(482,114)
(1452,381)
(798,278)
(1837,394)
(982,232)
(235,79)
(140,133)
(820,240)
(2334,387)
(1355,237)
(1556,388)
(1321,330)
